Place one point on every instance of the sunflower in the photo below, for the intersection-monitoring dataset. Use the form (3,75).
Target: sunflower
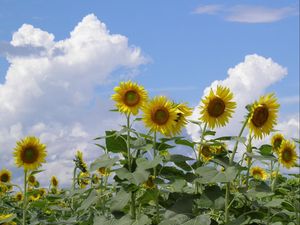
(276,142)
(160,115)
(42,192)
(258,173)
(3,189)
(34,197)
(182,111)
(149,184)
(95,179)
(5,176)
(19,196)
(206,152)
(30,153)
(32,180)
(103,171)
(217,108)
(54,181)
(129,97)
(287,155)
(263,116)
(80,163)
(83,179)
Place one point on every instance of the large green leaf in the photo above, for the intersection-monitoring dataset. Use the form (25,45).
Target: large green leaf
(145,164)
(120,201)
(115,143)
(103,161)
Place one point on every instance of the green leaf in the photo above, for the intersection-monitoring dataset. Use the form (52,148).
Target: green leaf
(103,161)
(91,199)
(145,164)
(137,177)
(266,150)
(185,142)
(274,203)
(179,158)
(120,201)
(8,219)
(202,219)
(114,143)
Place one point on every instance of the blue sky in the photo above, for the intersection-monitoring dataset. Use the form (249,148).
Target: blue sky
(185,46)
(187,49)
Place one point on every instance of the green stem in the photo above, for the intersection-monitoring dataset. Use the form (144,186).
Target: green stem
(155,174)
(227,194)
(249,161)
(25,198)
(132,206)
(275,179)
(198,155)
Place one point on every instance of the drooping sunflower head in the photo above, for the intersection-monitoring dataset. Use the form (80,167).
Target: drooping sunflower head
(32,180)
(34,197)
(80,163)
(182,112)
(83,179)
(30,153)
(206,152)
(149,184)
(54,181)
(160,115)
(217,107)
(263,115)
(103,171)
(5,176)
(276,142)
(19,196)
(42,192)
(129,97)
(287,154)
(95,178)
(258,173)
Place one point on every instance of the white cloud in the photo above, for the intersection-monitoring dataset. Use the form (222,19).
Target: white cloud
(53,94)
(259,14)
(208,9)
(248,13)
(247,80)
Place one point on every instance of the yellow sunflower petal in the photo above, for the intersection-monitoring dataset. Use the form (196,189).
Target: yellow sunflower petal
(30,153)
(5,176)
(160,115)
(287,154)
(258,173)
(217,108)
(263,116)
(129,97)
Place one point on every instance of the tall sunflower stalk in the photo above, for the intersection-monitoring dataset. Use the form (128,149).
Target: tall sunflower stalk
(29,154)
(129,98)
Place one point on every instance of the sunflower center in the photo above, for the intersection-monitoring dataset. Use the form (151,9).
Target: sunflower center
(54,182)
(131,98)
(160,116)
(216,107)
(31,179)
(30,155)
(206,151)
(277,143)
(287,155)
(260,116)
(4,177)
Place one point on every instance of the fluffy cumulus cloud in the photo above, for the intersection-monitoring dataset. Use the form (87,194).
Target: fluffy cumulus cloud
(53,93)
(248,80)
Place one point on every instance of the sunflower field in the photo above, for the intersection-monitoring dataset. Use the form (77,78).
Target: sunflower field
(139,179)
